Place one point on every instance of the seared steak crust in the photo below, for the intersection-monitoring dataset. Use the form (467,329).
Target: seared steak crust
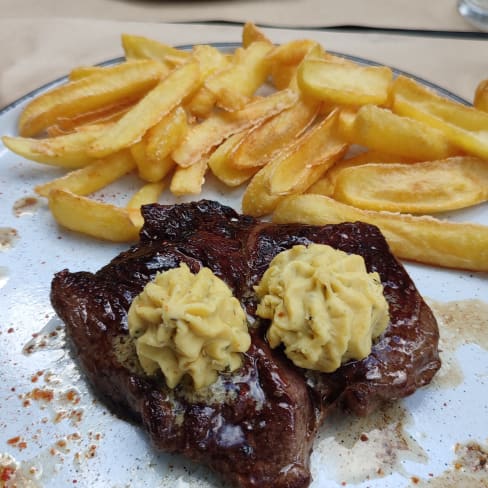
(256,426)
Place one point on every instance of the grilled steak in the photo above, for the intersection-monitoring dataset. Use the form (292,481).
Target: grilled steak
(254,426)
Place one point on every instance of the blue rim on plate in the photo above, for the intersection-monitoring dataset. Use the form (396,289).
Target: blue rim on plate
(233,45)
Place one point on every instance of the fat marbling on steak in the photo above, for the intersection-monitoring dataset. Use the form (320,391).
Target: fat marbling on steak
(255,426)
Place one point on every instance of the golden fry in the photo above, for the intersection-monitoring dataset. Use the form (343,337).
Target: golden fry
(251,33)
(285,60)
(273,134)
(319,147)
(92,177)
(189,181)
(220,162)
(202,103)
(202,138)
(345,83)
(210,59)
(427,187)
(480,101)
(90,217)
(88,94)
(139,47)
(292,52)
(464,126)
(290,174)
(166,135)
(381,130)
(423,239)
(104,115)
(149,111)
(234,86)
(84,71)
(149,193)
(282,76)
(325,186)
(257,199)
(67,151)
(149,170)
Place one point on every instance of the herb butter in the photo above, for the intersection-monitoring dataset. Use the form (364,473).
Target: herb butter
(188,324)
(323,305)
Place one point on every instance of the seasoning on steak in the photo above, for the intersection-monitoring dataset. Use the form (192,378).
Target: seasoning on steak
(254,426)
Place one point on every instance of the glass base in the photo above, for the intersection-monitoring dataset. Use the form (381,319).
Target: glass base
(474,13)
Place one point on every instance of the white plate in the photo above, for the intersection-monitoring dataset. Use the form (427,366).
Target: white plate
(72,440)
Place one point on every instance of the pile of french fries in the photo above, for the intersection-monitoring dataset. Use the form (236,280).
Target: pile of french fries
(311,136)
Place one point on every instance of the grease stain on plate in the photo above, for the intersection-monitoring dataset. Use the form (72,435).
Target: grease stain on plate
(469,469)
(51,337)
(460,322)
(8,237)
(353,449)
(26,206)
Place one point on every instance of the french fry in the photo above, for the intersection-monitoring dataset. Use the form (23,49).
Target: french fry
(234,86)
(464,126)
(202,138)
(426,187)
(344,83)
(382,130)
(166,135)
(149,111)
(282,76)
(285,60)
(325,186)
(480,101)
(189,181)
(54,131)
(259,199)
(423,239)
(220,162)
(202,103)
(320,148)
(92,177)
(90,217)
(337,59)
(163,138)
(150,171)
(211,60)
(126,80)
(273,134)
(139,47)
(292,52)
(67,151)
(84,71)
(251,33)
(138,151)
(104,115)
(149,193)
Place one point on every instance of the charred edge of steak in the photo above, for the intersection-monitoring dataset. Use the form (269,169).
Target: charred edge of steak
(255,427)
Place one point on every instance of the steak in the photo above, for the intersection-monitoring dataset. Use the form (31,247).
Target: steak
(254,426)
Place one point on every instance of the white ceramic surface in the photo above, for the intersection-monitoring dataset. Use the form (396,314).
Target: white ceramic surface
(72,439)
